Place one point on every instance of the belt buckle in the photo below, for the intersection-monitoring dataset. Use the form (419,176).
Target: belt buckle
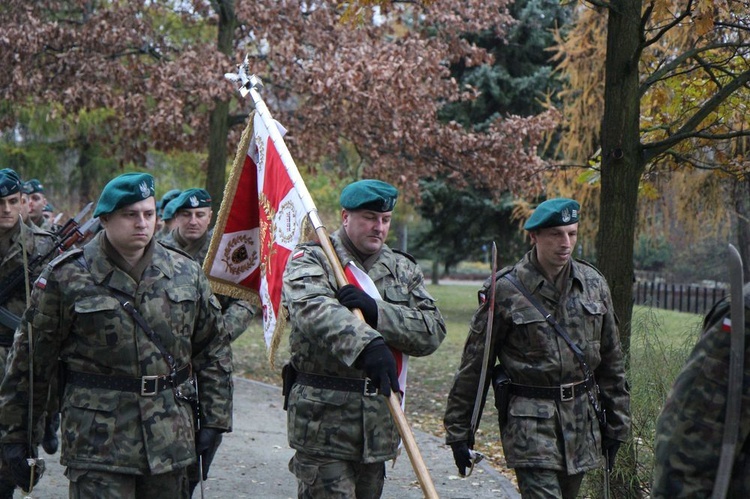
(145,388)
(567,392)
(369,390)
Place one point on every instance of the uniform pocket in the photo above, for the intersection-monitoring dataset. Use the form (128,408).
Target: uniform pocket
(100,314)
(532,334)
(90,418)
(532,425)
(594,312)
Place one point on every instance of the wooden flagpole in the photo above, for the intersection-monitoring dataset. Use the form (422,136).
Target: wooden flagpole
(250,85)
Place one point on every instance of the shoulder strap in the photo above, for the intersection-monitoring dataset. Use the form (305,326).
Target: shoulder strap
(138,318)
(588,375)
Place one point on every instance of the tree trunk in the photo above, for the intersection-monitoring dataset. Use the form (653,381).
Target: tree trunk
(87,171)
(622,161)
(622,166)
(219,118)
(217,154)
(742,206)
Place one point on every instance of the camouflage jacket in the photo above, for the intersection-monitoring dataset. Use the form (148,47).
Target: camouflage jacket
(690,428)
(39,243)
(77,319)
(544,433)
(237,313)
(326,338)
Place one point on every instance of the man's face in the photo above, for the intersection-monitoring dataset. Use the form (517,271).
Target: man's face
(367,229)
(192,223)
(37,202)
(10,209)
(130,228)
(554,246)
(25,207)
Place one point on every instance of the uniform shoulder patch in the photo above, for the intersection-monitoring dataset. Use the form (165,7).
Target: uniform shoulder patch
(404,253)
(68,255)
(504,270)
(175,249)
(589,265)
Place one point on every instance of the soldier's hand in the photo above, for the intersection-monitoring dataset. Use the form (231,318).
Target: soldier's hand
(16,458)
(461,456)
(380,365)
(351,297)
(50,442)
(610,446)
(207,441)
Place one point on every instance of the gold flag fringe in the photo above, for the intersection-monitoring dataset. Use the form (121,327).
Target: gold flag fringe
(220,286)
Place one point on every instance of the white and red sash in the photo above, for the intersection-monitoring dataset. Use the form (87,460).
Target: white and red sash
(360,279)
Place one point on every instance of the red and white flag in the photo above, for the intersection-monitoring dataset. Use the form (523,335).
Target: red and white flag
(360,279)
(259,224)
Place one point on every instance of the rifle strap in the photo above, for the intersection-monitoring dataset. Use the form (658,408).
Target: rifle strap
(589,380)
(138,318)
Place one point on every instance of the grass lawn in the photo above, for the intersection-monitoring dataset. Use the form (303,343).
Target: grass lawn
(659,343)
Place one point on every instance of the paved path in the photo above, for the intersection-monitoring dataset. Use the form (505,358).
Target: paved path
(252,460)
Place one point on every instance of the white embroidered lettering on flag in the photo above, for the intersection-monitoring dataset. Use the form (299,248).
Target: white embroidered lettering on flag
(359,278)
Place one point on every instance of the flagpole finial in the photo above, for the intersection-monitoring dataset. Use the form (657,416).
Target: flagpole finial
(246,81)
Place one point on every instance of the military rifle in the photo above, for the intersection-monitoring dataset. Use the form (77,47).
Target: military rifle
(71,233)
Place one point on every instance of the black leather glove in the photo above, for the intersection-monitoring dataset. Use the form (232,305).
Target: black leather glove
(610,446)
(15,457)
(351,297)
(461,456)
(207,442)
(50,442)
(380,365)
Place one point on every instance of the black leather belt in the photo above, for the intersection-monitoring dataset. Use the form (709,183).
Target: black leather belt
(148,386)
(563,393)
(357,385)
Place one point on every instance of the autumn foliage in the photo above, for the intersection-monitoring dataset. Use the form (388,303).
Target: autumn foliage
(368,80)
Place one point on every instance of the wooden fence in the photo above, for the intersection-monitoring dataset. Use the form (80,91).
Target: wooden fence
(679,297)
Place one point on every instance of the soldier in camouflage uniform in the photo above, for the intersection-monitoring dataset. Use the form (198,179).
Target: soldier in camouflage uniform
(551,436)
(137,332)
(16,236)
(166,216)
(192,214)
(341,433)
(690,427)
(37,202)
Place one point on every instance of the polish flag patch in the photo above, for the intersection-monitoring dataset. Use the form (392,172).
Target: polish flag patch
(298,254)
(41,283)
(726,326)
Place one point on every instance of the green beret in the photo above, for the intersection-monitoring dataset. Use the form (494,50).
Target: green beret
(10,182)
(167,213)
(374,195)
(32,186)
(554,213)
(169,196)
(191,198)
(128,188)
(48,207)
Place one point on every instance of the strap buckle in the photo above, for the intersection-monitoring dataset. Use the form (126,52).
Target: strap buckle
(368,389)
(567,392)
(148,390)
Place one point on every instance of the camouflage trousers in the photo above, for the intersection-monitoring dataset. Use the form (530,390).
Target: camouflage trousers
(540,483)
(327,478)
(93,484)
